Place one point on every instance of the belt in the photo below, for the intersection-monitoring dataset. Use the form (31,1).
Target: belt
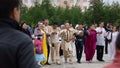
(67,40)
(79,39)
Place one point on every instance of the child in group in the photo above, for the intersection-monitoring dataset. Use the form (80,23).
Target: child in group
(39,50)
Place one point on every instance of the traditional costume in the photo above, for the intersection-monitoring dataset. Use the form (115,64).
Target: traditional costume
(90,45)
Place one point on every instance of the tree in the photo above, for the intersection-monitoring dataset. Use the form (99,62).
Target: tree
(98,11)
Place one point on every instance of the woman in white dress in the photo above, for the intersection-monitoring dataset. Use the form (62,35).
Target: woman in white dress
(112,39)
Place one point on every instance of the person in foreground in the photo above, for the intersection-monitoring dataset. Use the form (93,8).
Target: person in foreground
(16,47)
(116,61)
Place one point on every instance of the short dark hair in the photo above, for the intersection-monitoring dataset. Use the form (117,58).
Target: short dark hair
(118,42)
(45,19)
(118,27)
(91,25)
(55,23)
(101,22)
(23,23)
(7,6)
(80,24)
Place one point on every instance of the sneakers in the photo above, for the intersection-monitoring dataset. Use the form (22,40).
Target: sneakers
(47,64)
(58,63)
(78,62)
(70,62)
(53,62)
(101,60)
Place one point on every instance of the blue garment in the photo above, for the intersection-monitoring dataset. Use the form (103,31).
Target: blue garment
(40,57)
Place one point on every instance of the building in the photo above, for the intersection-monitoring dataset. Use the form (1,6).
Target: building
(83,4)
(111,1)
(30,3)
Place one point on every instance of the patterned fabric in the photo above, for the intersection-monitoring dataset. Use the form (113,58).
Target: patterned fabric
(68,46)
(68,35)
(55,37)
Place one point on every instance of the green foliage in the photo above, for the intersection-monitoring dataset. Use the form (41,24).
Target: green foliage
(95,13)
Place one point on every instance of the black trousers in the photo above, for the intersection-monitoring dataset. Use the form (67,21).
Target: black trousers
(61,51)
(106,46)
(100,52)
(79,50)
(48,47)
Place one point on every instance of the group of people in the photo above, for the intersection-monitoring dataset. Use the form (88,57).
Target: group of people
(17,48)
(54,40)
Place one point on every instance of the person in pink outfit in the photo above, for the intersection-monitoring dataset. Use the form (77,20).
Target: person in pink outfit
(90,43)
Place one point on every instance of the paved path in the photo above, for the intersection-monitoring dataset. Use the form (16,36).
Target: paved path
(84,64)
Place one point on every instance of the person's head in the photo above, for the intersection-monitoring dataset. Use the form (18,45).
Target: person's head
(114,28)
(62,26)
(80,27)
(55,25)
(95,25)
(46,22)
(85,26)
(118,42)
(118,28)
(92,26)
(107,25)
(110,25)
(40,25)
(76,27)
(71,25)
(101,24)
(24,25)
(67,25)
(10,9)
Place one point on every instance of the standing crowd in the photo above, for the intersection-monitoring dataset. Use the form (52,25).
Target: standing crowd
(56,41)
(18,51)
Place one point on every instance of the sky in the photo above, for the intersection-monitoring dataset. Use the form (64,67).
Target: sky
(110,1)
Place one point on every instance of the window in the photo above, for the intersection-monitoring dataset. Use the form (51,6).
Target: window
(58,1)
(71,1)
(32,1)
(26,1)
(39,1)
(53,0)
(84,0)
(84,7)
(65,2)
(78,0)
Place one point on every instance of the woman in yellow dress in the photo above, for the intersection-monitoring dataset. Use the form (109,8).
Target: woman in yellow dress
(40,31)
(44,44)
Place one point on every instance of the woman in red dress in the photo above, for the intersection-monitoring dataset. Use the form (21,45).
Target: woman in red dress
(90,43)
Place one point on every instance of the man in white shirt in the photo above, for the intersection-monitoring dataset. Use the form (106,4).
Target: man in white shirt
(100,41)
(55,44)
(48,30)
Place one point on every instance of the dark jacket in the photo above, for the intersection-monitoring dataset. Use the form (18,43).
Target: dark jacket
(16,47)
(80,40)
